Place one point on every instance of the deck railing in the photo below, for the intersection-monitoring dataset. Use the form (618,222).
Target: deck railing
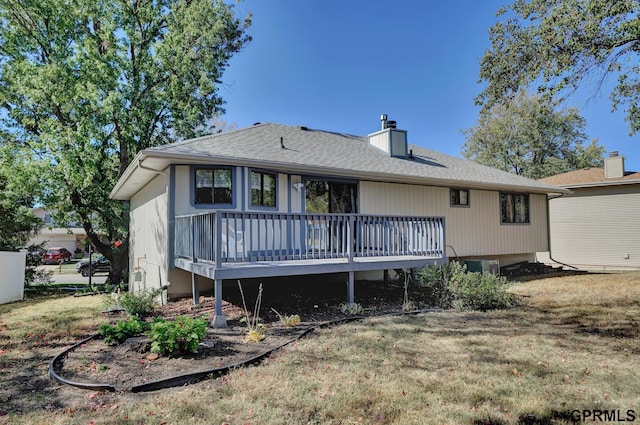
(231,237)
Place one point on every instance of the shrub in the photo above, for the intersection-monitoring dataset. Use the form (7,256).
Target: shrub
(451,285)
(435,281)
(140,304)
(118,333)
(179,336)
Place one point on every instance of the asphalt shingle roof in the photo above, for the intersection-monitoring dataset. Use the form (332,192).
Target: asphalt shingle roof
(588,176)
(341,154)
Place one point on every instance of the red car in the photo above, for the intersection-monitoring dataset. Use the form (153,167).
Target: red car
(56,255)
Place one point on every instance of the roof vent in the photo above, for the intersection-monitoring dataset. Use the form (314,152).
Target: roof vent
(613,154)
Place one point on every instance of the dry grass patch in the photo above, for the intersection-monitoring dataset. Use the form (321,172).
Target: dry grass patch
(572,344)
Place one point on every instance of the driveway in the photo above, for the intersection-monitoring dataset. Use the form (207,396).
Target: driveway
(67,275)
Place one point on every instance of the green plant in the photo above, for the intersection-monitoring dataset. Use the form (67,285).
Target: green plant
(288,320)
(450,285)
(181,335)
(481,291)
(118,333)
(255,330)
(141,303)
(352,309)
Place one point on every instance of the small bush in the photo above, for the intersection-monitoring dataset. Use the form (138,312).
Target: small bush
(140,304)
(450,285)
(481,291)
(179,336)
(435,281)
(354,309)
(118,333)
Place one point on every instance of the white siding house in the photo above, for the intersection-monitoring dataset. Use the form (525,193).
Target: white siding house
(275,200)
(597,225)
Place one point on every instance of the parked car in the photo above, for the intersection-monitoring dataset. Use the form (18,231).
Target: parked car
(56,255)
(100,264)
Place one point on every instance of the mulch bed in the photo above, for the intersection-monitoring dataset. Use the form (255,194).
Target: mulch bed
(130,364)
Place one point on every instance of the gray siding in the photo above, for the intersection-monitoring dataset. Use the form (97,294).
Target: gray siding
(597,227)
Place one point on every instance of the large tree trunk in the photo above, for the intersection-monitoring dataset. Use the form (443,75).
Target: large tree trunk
(120,264)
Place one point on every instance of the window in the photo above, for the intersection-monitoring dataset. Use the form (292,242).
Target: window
(213,186)
(263,189)
(330,197)
(459,197)
(514,208)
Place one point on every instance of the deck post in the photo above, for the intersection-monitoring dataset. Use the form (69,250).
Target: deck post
(219,321)
(350,289)
(195,290)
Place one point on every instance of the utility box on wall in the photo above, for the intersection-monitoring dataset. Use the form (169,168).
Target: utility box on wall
(483,266)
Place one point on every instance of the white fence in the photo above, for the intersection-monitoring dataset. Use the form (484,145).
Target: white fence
(12,266)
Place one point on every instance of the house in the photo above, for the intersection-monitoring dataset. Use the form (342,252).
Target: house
(597,225)
(71,237)
(275,200)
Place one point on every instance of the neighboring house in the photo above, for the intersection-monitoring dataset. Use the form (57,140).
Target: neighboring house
(54,235)
(275,200)
(597,225)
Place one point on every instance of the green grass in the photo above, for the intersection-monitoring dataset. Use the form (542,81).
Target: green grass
(573,343)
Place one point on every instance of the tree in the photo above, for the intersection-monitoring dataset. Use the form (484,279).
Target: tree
(86,84)
(560,45)
(529,137)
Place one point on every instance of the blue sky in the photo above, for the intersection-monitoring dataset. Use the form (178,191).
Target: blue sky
(337,65)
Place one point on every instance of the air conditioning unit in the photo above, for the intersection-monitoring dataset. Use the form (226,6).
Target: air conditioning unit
(483,266)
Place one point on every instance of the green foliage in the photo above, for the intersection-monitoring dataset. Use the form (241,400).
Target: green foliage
(17,221)
(105,80)
(118,333)
(529,136)
(481,291)
(179,336)
(353,309)
(559,46)
(450,285)
(141,303)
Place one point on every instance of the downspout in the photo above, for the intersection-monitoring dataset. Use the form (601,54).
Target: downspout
(549,232)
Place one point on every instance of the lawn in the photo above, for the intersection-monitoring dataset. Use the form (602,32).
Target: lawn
(572,345)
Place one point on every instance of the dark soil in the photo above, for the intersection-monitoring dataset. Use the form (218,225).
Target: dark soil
(130,364)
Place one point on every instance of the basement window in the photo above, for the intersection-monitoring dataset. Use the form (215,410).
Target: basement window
(514,208)
(459,197)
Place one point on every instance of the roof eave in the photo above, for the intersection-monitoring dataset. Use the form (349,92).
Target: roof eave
(601,184)
(120,192)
